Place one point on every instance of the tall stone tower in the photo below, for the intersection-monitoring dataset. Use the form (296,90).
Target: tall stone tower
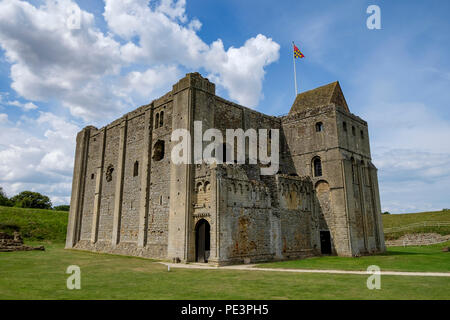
(331,145)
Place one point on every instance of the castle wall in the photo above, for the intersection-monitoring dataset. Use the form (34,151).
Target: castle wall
(128,197)
(252,230)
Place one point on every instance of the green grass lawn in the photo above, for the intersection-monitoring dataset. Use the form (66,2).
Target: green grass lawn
(421,258)
(34,224)
(399,220)
(41,275)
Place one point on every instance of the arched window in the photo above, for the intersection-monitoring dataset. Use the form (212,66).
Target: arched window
(161,118)
(317,167)
(156,120)
(344,125)
(353,131)
(319,126)
(362,134)
(136,169)
(158,150)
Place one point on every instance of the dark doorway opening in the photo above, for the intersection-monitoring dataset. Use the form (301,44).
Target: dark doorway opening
(325,242)
(202,241)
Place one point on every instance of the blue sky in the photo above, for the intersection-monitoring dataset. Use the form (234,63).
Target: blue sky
(54,80)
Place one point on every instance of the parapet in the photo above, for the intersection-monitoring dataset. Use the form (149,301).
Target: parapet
(194,80)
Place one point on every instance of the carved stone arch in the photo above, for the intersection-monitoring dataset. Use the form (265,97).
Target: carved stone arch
(198,186)
(207,186)
(324,196)
(321,184)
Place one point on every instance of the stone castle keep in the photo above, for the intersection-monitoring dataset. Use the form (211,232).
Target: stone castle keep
(128,197)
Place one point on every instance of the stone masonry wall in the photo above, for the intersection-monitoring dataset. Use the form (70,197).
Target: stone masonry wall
(129,198)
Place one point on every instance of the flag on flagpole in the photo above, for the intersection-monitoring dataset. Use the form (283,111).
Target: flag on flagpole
(297,52)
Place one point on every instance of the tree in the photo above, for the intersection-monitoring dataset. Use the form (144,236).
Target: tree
(4,201)
(29,199)
(63,207)
(386,212)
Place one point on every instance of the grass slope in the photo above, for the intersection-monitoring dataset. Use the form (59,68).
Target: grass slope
(41,275)
(34,224)
(399,220)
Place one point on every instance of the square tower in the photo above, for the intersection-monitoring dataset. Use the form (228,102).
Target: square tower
(331,145)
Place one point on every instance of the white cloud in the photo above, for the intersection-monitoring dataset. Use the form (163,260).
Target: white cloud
(173,9)
(153,81)
(241,70)
(100,75)
(163,40)
(50,61)
(3,118)
(37,154)
(81,68)
(25,106)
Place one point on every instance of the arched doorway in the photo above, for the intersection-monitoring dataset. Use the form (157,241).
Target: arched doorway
(202,241)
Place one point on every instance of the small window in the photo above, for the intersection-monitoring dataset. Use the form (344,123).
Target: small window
(353,169)
(353,131)
(158,150)
(92,176)
(136,169)
(317,167)
(226,152)
(319,126)
(160,200)
(362,134)
(161,119)
(156,120)
(344,125)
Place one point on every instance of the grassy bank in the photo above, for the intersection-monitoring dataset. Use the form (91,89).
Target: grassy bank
(34,224)
(401,220)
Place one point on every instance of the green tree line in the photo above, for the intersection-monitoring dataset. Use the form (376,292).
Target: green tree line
(29,199)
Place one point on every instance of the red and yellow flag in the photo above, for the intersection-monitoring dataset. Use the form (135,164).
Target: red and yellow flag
(297,52)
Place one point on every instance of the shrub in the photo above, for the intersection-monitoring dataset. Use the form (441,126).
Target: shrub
(29,199)
(386,212)
(4,201)
(63,207)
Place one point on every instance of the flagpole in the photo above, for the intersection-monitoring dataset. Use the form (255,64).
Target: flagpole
(295,71)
